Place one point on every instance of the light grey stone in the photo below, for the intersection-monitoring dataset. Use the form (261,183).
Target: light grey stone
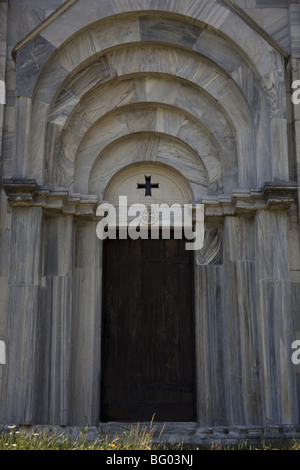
(28,71)
(197,87)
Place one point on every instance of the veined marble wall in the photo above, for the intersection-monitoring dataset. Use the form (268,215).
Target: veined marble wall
(200,87)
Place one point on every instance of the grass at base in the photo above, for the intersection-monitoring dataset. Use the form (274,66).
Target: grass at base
(134,439)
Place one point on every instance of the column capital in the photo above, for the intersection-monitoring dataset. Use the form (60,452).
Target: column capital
(276,195)
(20,192)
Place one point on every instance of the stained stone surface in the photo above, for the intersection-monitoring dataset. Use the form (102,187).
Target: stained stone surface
(202,88)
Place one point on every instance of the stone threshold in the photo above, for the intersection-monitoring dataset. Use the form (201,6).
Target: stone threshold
(175,433)
(192,434)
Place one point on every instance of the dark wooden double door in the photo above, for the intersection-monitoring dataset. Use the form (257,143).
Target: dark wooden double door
(148,331)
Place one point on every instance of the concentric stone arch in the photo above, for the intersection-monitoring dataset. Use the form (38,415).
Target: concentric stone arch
(62,56)
(155,148)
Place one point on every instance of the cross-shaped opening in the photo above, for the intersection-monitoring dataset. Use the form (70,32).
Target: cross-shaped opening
(148,186)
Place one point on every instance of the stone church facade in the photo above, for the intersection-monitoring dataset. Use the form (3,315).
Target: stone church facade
(198,95)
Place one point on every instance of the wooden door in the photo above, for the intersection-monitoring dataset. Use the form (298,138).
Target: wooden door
(148,331)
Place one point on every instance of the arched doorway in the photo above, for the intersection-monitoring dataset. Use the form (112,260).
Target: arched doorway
(148,331)
(148,347)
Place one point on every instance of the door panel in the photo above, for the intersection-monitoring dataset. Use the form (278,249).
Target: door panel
(148,331)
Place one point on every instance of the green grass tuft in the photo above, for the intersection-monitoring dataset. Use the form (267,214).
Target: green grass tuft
(135,438)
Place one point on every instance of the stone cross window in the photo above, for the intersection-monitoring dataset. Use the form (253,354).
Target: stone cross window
(148,186)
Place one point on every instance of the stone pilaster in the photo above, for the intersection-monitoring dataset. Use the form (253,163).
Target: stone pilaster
(296,110)
(23,307)
(3,47)
(211,401)
(86,326)
(240,344)
(55,317)
(274,316)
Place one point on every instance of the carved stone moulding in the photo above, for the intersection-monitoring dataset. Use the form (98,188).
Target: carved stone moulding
(275,196)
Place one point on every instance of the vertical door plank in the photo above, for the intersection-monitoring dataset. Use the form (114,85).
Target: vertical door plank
(148,343)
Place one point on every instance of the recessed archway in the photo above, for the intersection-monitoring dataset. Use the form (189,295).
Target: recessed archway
(168,185)
(148,335)
(159,150)
(186,78)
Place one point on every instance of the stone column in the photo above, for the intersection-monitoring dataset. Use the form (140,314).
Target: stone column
(23,307)
(53,391)
(209,346)
(4,233)
(296,112)
(209,326)
(3,49)
(241,354)
(4,275)
(86,326)
(274,314)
